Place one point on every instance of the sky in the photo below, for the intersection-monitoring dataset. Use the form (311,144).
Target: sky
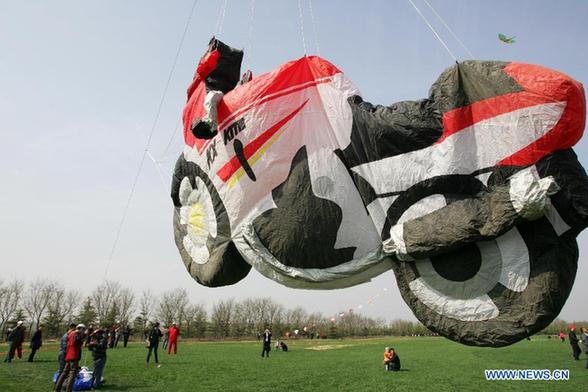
(81,83)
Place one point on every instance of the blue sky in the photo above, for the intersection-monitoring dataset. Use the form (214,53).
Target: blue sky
(81,82)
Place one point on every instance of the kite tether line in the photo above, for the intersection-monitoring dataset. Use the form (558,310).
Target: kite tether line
(449,29)
(433,30)
(148,143)
(316,41)
(302,26)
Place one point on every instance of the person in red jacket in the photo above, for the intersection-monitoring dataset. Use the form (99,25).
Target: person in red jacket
(73,354)
(174,332)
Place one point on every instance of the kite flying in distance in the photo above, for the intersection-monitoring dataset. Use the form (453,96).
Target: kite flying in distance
(505,39)
(472,196)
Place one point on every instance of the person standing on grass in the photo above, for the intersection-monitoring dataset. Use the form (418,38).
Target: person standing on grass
(23,335)
(62,348)
(36,342)
(98,345)
(165,338)
(585,342)
(174,332)
(562,336)
(126,335)
(14,341)
(267,342)
(153,339)
(574,343)
(73,354)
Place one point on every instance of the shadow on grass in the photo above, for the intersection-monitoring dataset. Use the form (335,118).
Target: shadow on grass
(115,387)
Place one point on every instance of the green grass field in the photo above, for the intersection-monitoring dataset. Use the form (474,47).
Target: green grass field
(341,365)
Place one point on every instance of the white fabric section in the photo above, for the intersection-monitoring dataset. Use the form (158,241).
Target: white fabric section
(476,309)
(559,225)
(330,180)
(515,261)
(197,204)
(484,177)
(395,245)
(211,101)
(503,136)
(347,274)
(423,207)
(529,194)
(378,209)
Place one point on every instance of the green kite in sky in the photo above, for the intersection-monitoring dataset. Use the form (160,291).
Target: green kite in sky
(505,39)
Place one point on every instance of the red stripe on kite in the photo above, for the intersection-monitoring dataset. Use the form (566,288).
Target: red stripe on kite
(233,164)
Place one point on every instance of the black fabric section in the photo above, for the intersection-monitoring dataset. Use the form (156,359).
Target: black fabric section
(384,131)
(225,265)
(571,202)
(471,81)
(468,259)
(302,230)
(453,185)
(227,73)
(480,218)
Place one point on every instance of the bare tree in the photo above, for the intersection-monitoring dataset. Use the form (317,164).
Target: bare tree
(10,296)
(126,305)
(147,304)
(104,298)
(195,320)
(61,308)
(222,316)
(172,306)
(38,295)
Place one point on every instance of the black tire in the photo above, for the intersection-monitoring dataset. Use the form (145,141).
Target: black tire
(552,262)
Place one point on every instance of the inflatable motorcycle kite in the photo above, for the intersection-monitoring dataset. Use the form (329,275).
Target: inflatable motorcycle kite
(472,196)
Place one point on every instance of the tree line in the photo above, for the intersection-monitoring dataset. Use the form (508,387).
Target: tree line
(49,303)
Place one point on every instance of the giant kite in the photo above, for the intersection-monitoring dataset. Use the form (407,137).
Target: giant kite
(472,196)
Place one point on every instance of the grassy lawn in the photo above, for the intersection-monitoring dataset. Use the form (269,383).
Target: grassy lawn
(342,365)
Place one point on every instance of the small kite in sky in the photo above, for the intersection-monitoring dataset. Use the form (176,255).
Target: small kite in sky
(505,39)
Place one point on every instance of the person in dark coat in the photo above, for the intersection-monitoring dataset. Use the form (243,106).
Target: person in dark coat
(36,342)
(126,335)
(585,342)
(574,343)
(395,361)
(14,341)
(153,339)
(267,342)
(98,346)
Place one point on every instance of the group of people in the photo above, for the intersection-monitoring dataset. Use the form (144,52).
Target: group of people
(70,354)
(16,337)
(170,341)
(574,342)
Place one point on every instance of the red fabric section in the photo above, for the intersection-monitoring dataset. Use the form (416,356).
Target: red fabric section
(559,87)
(292,76)
(541,85)
(461,118)
(208,63)
(233,164)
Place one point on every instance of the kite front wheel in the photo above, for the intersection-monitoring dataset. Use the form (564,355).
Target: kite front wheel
(202,229)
